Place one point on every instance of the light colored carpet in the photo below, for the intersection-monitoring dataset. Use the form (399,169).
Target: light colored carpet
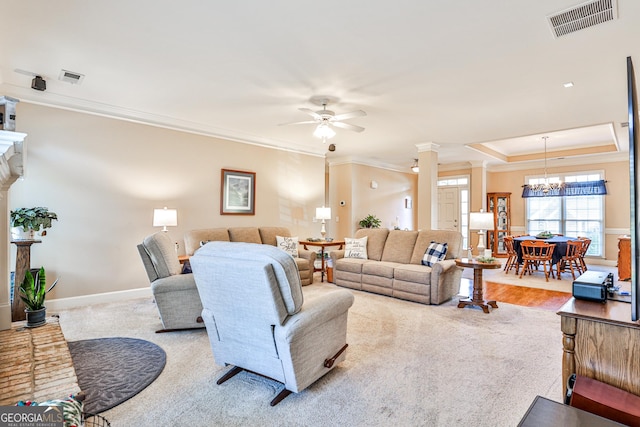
(407,365)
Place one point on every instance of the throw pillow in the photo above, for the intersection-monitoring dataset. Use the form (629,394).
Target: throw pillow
(435,252)
(355,248)
(288,244)
(71,406)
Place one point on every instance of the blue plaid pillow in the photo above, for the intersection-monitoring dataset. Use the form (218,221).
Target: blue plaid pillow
(435,252)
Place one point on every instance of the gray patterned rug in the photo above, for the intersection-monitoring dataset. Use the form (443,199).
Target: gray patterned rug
(113,370)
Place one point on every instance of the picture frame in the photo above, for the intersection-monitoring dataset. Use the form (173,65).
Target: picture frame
(237,192)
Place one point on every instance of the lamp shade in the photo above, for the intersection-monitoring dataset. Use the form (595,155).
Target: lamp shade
(324,131)
(323,213)
(165,217)
(481,221)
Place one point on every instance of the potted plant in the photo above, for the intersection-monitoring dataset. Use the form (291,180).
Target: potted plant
(26,221)
(370,221)
(33,292)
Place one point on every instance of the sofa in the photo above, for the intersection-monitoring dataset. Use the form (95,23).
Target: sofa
(394,265)
(266,235)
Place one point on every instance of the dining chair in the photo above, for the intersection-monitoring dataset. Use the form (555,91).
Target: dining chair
(571,259)
(586,242)
(535,253)
(512,255)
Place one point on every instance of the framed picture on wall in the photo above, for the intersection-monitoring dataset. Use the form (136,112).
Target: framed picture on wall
(237,192)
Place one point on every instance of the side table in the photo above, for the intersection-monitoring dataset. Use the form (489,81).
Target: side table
(321,244)
(477,298)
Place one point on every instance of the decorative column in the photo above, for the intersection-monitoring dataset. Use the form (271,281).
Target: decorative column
(428,186)
(11,168)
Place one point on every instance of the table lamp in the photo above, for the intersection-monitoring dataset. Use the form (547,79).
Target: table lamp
(481,221)
(323,214)
(165,217)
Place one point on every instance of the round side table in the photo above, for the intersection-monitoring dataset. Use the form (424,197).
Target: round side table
(477,298)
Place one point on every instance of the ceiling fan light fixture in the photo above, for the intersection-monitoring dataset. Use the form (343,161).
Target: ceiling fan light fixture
(414,167)
(324,131)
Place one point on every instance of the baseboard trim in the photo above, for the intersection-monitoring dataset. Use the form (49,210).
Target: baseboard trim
(81,301)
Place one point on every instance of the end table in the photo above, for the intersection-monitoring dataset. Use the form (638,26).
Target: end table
(477,298)
(321,244)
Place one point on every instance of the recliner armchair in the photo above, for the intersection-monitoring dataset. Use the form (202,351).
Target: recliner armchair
(175,294)
(256,319)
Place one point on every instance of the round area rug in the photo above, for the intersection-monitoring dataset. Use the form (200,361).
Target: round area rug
(113,370)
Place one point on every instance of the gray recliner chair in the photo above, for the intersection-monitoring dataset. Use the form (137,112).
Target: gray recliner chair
(175,294)
(256,319)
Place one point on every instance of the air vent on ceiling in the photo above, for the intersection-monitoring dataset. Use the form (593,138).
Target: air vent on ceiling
(70,77)
(582,16)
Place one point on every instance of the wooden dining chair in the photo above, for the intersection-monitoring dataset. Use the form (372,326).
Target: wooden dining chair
(571,259)
(586,242)
(512,255)
(536,253)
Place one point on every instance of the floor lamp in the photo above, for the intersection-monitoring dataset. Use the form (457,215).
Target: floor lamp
(481,221)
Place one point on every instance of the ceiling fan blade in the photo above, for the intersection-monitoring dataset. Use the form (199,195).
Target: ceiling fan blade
(348,126)
(311,113)
(298,123)
(345,116)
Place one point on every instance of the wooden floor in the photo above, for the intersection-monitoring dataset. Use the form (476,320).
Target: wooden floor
(518,295)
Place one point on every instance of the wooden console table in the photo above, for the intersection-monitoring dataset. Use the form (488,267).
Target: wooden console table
(477,297)
(321,244)
(23,263)
(601,342)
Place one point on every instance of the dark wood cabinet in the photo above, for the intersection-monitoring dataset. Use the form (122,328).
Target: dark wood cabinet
(500,205)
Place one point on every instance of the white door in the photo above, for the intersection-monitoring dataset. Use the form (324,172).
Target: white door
(449,208)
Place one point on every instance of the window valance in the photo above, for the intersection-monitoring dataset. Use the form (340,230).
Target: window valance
(589,188)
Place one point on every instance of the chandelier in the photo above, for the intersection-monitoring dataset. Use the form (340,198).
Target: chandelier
(547,186)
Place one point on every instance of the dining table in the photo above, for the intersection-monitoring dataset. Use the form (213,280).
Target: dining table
(559,250)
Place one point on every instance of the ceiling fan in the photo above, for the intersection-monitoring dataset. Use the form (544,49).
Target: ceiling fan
(326,118)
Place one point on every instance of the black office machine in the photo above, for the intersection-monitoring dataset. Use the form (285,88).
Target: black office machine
(593,286)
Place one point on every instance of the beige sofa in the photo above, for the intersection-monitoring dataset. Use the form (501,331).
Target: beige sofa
(264,235)
(394,265)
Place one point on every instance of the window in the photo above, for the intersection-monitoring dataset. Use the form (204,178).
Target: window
(572,216)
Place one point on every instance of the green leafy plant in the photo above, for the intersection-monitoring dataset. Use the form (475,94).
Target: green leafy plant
(33,290)
(370,221)
(32,218)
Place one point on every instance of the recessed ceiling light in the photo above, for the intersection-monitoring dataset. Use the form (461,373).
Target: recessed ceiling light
(568,84)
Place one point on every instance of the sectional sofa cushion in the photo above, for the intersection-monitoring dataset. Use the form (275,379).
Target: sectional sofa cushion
(245,234)
(425,237)
(268,235)
(435,252)
(375,242)
(399,246)
(355,248)
(193,240)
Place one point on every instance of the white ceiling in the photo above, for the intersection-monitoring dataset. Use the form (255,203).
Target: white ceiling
(453,73)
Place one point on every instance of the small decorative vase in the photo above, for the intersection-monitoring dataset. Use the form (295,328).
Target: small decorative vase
(36,318)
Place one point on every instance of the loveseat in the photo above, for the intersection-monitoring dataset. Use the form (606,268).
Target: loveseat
(393,265)
(266,235)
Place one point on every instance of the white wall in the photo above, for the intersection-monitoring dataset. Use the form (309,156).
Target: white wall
(103,177)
